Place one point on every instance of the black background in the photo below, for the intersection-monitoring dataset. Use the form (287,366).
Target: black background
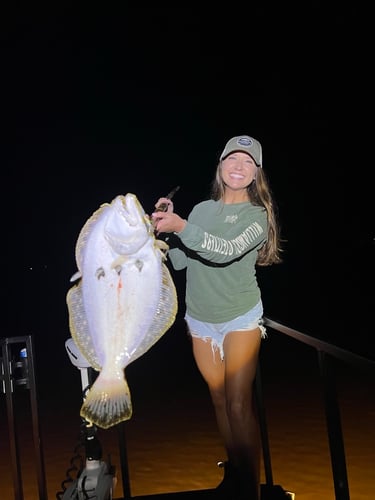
(107,99)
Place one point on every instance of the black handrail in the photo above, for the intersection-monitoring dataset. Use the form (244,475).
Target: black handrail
(320,345)
(325,353)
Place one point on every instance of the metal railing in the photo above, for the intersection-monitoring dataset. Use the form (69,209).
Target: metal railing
(326,353)
(14,371)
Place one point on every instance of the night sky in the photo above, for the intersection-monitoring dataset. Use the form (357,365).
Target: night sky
(110,100)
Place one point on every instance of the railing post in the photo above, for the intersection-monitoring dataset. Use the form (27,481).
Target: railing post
(263,428)
(8,387)
(335,436)
(9,381)
(124,461)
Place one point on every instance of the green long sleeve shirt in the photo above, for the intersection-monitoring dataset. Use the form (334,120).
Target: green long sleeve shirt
(218,247)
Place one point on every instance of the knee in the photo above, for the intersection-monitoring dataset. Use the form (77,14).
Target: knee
(238,409)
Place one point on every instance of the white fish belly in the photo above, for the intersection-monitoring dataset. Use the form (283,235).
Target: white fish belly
(120,307)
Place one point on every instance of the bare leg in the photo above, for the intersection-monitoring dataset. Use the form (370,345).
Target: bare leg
(230,383)
(241,350)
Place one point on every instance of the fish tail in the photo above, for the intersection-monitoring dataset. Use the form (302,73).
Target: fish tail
(108,402)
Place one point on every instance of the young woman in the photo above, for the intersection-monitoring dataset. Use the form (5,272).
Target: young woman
(220,245)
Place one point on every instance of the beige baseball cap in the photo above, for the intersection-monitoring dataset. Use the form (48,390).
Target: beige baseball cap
(246,144)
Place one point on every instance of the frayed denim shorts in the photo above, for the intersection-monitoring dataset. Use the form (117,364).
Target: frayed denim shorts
(216,332)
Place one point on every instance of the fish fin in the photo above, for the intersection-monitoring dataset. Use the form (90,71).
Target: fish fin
(108,402)
(76,276)
(79,327)
(162,247)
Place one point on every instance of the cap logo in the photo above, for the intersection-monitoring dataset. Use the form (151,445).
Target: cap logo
(245,141)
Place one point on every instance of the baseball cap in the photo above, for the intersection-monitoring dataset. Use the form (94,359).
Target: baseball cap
(246,144)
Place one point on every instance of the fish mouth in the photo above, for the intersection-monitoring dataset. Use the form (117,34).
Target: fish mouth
(127,227)
(129,208)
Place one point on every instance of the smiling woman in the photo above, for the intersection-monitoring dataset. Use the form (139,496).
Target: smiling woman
(238,171)
(220,245)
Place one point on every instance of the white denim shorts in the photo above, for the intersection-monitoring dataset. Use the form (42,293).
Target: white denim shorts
(216,332)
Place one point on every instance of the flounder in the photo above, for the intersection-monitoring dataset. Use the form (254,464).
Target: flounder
(122,304)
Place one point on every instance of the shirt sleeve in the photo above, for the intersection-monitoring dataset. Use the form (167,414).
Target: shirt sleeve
(178,258)
(239,239)
(176,252)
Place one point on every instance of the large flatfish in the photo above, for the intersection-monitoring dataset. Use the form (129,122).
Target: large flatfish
(122,302)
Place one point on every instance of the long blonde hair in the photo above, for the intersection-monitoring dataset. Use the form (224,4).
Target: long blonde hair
(260,194)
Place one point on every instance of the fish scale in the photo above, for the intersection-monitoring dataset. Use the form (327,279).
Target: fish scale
(123,302)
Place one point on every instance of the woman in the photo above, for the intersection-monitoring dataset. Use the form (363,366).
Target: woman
(220,245)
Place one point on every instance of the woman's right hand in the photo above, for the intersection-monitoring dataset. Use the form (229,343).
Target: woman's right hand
(168,221)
